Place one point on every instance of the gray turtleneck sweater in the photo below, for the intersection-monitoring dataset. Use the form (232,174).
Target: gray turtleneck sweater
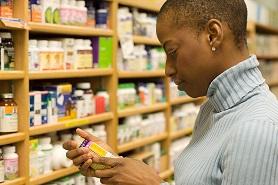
(235,140)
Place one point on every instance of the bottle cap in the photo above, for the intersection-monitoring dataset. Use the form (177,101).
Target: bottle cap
(84,85)
(99,127)
(7,95)
(79,42)
(9,149)
(33,43)
(66,137)
(53,44)
(78,93)
(44,140)
(42,43)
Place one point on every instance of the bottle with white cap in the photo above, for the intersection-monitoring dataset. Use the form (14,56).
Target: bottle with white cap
(33,55)
(78,54)
(88,54)
(81,12)
(100,132)
(80,112)
(46,147)
(43,54)
(2,170)
(56,55)
(88,96)
(10,162)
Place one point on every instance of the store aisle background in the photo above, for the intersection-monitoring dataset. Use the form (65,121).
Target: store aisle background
(98,65)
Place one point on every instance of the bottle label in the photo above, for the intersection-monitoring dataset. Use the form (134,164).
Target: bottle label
(44,60)
(8,119)
(2,171)
(11,168)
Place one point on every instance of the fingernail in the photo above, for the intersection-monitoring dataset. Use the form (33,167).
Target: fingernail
(90,155)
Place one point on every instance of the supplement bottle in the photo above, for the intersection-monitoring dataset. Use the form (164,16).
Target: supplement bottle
(46,147)
(9,53)
(33,55)
(10,163)
(106,97)
(43,55)
(88,97)
(8,114)
(80,112)
(2,170)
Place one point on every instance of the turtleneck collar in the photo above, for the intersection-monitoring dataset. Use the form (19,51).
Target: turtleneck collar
(226,90)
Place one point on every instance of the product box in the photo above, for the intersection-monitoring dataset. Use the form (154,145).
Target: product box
(102,51)
(44,103)
(63,96)
(35,108)
(6,8)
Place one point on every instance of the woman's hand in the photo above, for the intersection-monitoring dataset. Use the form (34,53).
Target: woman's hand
(80,155)
(123,171)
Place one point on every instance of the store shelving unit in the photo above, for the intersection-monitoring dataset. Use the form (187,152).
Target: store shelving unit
(70,74)
(22,78)
(141,142)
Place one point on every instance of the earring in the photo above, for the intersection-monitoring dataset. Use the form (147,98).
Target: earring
(213,49)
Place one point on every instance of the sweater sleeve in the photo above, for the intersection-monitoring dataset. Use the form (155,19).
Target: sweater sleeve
(251,155)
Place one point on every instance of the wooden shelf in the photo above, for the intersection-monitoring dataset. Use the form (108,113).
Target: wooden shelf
(10,25)
(273,83)
(12,138)
(51,127)
(19,181)
(146,40)
(141,74)
(261,28)
(141,110)
(11,75)
(268,58)
(153,5)
(68,30)
(53,176)
(69,74)
(141,156)
(141,142)
(185,99)
(166,174)
(181,133)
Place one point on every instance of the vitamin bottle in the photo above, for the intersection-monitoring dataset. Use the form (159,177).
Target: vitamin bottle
(88,97)
(8,114)
(10,163)
(43,55)
(46,147)
(9,54)
(80,113)
(33,55)
(2,170)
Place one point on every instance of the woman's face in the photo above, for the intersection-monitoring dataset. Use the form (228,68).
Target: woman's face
(189,58)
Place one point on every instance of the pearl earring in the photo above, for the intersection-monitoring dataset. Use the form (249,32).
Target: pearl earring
(213,49)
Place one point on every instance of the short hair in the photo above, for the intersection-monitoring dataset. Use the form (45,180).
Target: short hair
(195,14)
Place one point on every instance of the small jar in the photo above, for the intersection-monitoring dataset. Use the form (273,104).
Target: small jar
(80,113)
(10,163)
(8,114)
(2,169)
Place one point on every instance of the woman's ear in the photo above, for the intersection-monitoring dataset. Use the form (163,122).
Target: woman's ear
(215,34)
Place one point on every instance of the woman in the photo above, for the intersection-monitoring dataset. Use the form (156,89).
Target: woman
(235,140)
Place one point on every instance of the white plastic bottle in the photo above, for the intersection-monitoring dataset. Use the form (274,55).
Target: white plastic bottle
(46,147)
(81,12)
(65,12)
(100,132)
(73,12)
(80,112)
(88,97)
(43,54)
(2,169)
(79,54)
(33,55)
(41,160)
(88,54)
(10,163)
(56,55)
